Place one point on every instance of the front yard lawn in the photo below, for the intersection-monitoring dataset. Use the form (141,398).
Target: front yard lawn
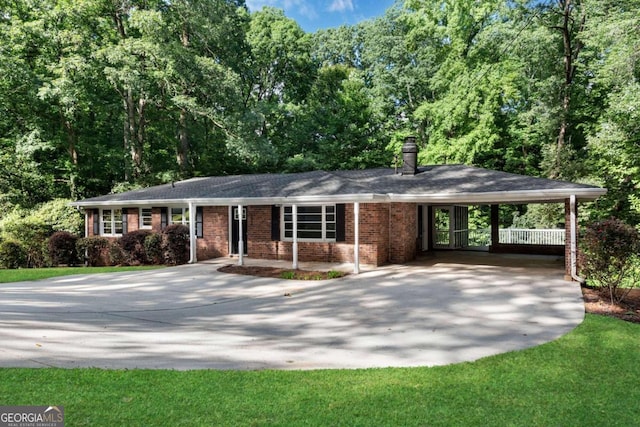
(586,378)
(28,274)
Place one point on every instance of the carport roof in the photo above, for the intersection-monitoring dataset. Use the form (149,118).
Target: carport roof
(446,184)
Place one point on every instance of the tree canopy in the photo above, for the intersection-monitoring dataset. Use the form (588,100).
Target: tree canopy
(102,95)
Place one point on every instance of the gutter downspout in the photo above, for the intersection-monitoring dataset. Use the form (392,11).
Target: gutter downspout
(86,234)
(574,237)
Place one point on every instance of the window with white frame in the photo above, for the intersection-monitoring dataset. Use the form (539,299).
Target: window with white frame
(179,216)
(314,223)
(111,222)
(145,218)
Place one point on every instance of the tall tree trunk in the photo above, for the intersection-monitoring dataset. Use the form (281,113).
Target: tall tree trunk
(129,132)
(570,29)
(183,143)
(183,131)
(72,140)
(138,148)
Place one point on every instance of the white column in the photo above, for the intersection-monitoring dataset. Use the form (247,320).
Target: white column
(356,238)
(240,241)
(294,212)
(193,241)
(573,249)
(86,233)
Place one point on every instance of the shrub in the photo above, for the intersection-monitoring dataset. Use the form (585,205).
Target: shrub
(176,244)
(610,249)
(32,228)
(63,248)
(288,275)
(12,255)
(32,234)
(133,245)
(153,248)
(95,250)
(116,254)
(59,216)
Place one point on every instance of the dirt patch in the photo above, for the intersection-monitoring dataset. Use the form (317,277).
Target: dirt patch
(281,273)
(597,301)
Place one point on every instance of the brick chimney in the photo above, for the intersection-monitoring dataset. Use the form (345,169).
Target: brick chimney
(409,156)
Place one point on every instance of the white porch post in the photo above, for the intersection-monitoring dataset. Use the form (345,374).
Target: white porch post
(240,241)
(193,242)
(573,249)
(294,212)
(356,238)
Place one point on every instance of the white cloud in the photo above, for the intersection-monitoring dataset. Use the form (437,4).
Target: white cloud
(255,5)
(297,7)
(341,6)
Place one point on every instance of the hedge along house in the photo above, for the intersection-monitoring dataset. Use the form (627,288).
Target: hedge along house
(372,216)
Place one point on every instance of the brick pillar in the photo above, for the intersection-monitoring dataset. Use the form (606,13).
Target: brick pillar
(495,226)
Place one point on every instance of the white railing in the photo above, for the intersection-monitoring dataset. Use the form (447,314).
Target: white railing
(539,236)
(508,236)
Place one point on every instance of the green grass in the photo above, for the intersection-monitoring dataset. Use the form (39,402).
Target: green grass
(587,378)
(28,274)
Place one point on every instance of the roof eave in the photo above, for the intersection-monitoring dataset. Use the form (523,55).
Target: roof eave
(507,197)
(233,201)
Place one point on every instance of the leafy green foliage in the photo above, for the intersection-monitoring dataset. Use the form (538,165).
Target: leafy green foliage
(175,244)
(610,252)
(12,255)
(153,248)
(94,249)
(99,95)
(63,248)
(133,246)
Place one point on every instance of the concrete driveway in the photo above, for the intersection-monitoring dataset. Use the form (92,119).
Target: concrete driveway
(438,311)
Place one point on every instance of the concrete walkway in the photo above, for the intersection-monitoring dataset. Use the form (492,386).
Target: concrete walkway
(438,311)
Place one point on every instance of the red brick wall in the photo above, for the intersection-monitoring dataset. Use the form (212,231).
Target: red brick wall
(91,218)
(133,219)
(388,233)
(403,232)
(375,233)
(156,226)
(215,230)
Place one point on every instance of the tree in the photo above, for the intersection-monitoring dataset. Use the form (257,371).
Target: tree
(613,44)
(338,129)
(474,81)
(610,250)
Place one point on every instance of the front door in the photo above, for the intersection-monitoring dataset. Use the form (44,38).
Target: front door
(235,230)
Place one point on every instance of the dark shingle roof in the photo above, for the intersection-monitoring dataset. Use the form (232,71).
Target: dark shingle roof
(436,184)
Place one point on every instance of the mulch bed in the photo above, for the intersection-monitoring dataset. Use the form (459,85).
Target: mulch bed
(281,273)
(597,301)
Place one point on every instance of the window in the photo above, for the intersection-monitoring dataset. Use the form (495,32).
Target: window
(315,223)
(179,216)
(145,218)
(111,222)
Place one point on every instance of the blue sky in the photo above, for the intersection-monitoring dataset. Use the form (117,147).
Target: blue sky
(317,14)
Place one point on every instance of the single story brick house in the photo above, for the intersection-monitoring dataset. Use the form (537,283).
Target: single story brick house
(372,216)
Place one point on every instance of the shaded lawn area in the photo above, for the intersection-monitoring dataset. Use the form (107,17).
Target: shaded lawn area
(29,274)
(588,377)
